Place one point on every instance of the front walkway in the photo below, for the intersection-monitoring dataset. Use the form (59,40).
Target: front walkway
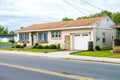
(65,55)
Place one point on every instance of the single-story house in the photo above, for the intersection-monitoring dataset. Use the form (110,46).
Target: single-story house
(116,38)
(71,35)
(7,37)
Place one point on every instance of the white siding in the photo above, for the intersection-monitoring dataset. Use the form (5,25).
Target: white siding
(103,26)
(66,32)
(100,27)
(108,38)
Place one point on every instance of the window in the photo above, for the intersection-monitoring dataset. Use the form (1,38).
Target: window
(43,36)
(77,34)
(56,34)
(24,36)
(103,39)
(84,34)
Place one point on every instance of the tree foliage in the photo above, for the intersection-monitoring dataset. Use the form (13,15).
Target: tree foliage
(114,16)
(3,30)
(102,13)
(12,32)
(67,19)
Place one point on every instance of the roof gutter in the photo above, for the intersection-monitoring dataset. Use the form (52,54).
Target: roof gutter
(52,29)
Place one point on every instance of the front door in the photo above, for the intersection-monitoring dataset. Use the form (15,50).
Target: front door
(34,39)
(67,42)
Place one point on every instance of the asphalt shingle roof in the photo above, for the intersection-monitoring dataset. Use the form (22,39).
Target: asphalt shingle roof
(63,24)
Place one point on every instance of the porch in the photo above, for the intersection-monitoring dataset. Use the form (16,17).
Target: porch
(116,38)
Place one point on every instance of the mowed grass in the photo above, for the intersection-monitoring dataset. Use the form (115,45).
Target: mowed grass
(41,50)
(30,50)
(102,53)
(1,43)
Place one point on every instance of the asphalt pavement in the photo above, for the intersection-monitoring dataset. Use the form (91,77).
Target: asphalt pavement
(83,69)
(65,55)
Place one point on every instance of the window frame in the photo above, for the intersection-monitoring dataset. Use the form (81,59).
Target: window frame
(23,37)
(43,36)
(56,34)
(103,37)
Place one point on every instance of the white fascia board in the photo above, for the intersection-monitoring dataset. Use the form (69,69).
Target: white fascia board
(52,29)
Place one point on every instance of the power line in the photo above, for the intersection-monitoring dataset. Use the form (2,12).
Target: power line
(91,5)
(74,7)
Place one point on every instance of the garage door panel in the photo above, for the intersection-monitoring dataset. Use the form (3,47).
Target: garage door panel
(81,42)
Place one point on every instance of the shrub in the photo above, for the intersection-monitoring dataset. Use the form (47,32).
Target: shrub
(36,45)
(19,46)
(58,46)
(39,47)
(12,41)
(52,46)
(46,47)
(97,48)
(24,45)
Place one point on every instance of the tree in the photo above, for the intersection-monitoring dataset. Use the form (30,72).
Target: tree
(3,30)
(11,32)
(21,27)
(102,13)
(67,19)
(116,17)
(83,17)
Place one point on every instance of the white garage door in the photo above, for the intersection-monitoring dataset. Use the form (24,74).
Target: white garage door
(81,41)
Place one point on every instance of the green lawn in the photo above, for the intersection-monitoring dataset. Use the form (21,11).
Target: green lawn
(103,53)
(5,43)
(41,50)
(30,50)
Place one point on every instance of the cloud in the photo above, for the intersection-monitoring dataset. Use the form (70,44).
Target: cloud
(16,13)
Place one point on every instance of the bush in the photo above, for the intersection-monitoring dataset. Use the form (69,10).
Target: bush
(24,45)
(19,46)
(46,47)
(12,41)
(36,45)
(39,47)
(52,46)
(58,46)
(97,48)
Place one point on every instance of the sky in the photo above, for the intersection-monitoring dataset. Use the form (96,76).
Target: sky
(17,13)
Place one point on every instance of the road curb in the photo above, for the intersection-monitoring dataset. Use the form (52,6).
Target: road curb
(70,57)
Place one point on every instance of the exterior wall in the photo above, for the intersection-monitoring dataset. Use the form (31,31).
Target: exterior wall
(116,49)
(116,41)
(105,23)
(108,38)
(103,26)
(29,43)
(92,36)
(96,30)
(6,38)
(62,39)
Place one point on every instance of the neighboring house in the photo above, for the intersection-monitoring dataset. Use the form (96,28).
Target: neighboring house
(116,38)
(71,35)
(7,37)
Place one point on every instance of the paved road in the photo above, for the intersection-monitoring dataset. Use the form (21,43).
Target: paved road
(20,67)
(6,45)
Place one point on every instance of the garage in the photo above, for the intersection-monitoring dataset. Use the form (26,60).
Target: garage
(80,41)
